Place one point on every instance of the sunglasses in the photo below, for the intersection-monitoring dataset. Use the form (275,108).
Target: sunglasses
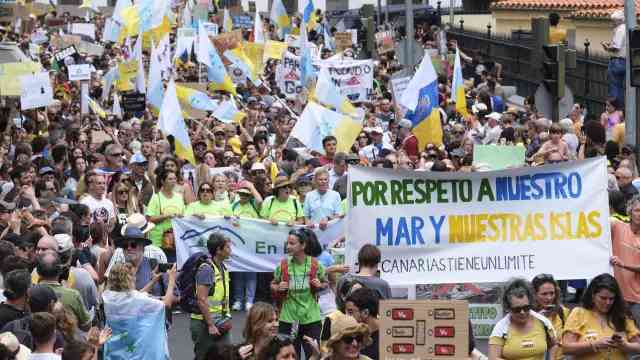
(206,190)
(123,192)
(348,339)
(131,244)
(520,309)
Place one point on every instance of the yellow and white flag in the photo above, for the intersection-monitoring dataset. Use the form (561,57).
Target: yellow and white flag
(327,93)
(172,123)
(227,24)
(227,112)
(96,108)
(317,122)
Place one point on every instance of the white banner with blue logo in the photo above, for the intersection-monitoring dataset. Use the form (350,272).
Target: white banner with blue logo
(456,227)
(137,323)
(257,245)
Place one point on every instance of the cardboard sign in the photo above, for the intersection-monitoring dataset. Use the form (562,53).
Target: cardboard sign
(398,85)
(227,41)
(343,40)
(483,318)
(133,102)
(424,329)
(496,157)
(36,91)
(384,41)
(65,40)
(90,48)
(79,72)
(84,29)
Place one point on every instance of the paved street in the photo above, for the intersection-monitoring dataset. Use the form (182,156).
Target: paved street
(181,347)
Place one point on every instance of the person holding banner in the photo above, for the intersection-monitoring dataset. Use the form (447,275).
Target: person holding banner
(547,293)
(205,206)
(322,204)
(522,333)
(599,329)
(296,281)
(282,206)
(163,206)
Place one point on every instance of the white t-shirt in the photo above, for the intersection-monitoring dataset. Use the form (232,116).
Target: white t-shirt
(100,209)
(44,356)
(619,41)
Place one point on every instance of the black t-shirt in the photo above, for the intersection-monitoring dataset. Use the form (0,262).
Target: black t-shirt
(373,350)
(9,313)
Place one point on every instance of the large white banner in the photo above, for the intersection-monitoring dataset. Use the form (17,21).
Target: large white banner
(354,78)
(257,245)
(436,227)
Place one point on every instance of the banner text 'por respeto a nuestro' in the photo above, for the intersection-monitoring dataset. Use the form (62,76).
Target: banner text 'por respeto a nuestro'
(429,223)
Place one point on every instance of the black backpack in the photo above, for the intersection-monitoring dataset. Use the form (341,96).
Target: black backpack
(186,282)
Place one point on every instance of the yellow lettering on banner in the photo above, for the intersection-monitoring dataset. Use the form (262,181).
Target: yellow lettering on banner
(274,49)
(510,227)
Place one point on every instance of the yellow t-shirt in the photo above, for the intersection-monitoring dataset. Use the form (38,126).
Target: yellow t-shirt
(287,211)
(586,325)
(529,346)
(558,326)
(557,35)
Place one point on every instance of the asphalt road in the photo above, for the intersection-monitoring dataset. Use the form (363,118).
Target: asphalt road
(181,347)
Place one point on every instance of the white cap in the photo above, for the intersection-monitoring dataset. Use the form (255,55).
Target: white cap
(65,243)
(495,116)
(476,108)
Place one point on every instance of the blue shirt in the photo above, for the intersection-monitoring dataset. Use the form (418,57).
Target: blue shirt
(320,206)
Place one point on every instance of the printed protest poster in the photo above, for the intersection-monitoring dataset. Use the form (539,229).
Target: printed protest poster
(482,226)
(353,77)
(495,157)
(80,72)
(36,91)
(288,75)
(257,245)
(398,85)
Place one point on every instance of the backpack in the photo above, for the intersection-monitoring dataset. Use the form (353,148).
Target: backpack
(186,282)
(235,205)
(281,296)
(295,205)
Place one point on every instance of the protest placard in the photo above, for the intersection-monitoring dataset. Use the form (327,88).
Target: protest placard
(210,28)
(343,40)
(67,56)
(257,245)
(88,29)
(36,91)
(90,48)
(242,21)
(79,72)
(384,41)
(483,226)
(133,102)
(424,329)
(398,85)
(495,157)
(10,74)
(353,77)
(483,318)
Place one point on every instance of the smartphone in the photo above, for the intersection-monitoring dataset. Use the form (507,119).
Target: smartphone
(164,267)
(616,337)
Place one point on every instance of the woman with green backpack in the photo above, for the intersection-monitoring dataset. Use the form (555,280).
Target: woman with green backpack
(296,281)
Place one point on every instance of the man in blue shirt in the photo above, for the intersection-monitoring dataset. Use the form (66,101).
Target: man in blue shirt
(321,204)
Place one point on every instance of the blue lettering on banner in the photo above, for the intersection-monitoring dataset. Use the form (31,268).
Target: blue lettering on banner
(407,231)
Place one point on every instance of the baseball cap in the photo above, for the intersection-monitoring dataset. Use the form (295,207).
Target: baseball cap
(137,158)
(64,242)
(46,169)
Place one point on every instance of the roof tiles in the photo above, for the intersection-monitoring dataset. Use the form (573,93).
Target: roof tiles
(575,8)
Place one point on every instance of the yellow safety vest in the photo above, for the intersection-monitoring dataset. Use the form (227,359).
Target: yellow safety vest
(219,301)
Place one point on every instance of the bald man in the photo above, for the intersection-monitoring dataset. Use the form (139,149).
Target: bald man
(624,176)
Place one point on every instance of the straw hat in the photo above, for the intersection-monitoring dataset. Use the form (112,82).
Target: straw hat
(281,181)
(347,325)
(139,221)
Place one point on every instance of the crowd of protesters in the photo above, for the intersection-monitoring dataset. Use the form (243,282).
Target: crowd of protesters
(86,205)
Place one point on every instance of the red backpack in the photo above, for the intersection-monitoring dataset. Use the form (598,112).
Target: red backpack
(281,296)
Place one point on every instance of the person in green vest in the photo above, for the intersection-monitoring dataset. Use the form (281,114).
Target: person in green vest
(208,328)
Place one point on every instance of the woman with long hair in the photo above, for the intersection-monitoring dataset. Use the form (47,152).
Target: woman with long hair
(260,326)
(78,168)
(522,333)
(124,200)
(164,206)
(600,328)
(185,188)
(547,303)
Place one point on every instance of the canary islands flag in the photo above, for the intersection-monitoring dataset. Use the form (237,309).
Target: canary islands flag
(216,71)
(172,123)
(457,87)
(96,108)
(196,99)
(227,112)
(156,88)
(279,17)
(137,324)
(421,98)
(317,122)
